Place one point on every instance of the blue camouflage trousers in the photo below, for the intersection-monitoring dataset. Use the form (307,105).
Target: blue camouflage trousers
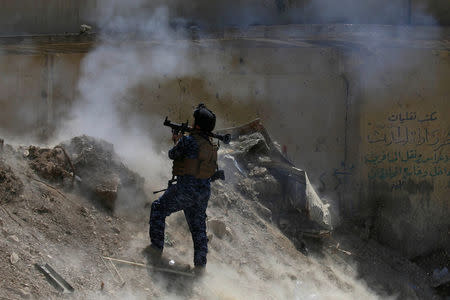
(193,199)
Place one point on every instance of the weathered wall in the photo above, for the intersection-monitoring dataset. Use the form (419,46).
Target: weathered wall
(62,16)
(36,92)
(370,127)
(405,150)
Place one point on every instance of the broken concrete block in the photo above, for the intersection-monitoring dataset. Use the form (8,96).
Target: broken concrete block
(318,211)
(258,172)
(254,144)
(106,192)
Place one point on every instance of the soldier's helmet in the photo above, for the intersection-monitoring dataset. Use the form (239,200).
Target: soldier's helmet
(204,118)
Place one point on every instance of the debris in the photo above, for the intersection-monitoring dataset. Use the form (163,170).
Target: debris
(108,267)
(10,185)
(24,294)
(85,29)
(50,164)
(55,279)
(70,162)
(115,229)
(13,238)
(14,258)
(257,154)
(159,269)
(123,282)
(235,163)
(42,210)
(336,247)
(318,211)
(104,176)
(263,211)
(317,234)
(218,228)
(52,187)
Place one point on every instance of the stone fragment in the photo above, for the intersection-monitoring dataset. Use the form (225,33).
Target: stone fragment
(13,238)
(85,29)
(219,228)
(23,293)
(14,258)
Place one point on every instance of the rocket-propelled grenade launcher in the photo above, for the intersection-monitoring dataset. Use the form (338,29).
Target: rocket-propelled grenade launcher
(184,127)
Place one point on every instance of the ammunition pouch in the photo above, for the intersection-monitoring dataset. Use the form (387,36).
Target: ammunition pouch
(203,167)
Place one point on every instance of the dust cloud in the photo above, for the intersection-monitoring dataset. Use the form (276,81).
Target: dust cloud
(109,75)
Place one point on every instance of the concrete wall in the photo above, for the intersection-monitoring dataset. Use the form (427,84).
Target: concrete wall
(405,150)
(370,127)
(62,16)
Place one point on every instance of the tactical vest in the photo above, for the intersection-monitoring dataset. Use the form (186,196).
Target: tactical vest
(202,167)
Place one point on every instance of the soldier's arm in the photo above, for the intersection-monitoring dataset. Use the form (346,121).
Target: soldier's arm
(185,148)
(177,152)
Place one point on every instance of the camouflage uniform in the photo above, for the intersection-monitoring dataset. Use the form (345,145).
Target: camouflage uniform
(190,195)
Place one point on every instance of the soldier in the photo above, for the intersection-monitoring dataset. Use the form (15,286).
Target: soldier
(194,163)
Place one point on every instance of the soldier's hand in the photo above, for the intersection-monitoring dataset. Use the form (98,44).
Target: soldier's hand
(176,137)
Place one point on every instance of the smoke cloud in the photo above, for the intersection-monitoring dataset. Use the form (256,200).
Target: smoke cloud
(140,49)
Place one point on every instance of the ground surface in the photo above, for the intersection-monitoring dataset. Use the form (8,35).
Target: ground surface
(250,258)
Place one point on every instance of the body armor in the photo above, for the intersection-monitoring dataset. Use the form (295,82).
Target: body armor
(202,167)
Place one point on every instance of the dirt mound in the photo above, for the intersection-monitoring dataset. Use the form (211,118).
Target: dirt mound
(249,256)
(51,164)
(102,173)
(10,185)
(91,163)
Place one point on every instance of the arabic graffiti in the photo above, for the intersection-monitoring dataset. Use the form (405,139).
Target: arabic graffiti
(403,135)
(411,116)
(407,145)
(407,156)
(397,172)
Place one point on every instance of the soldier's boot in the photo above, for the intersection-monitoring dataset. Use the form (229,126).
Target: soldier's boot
(153,254)
(199,271)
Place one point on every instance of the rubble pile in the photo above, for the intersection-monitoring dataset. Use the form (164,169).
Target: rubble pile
(257,221)
(102,173)
(264,175)
(93,164)
(10,185)
(51,164)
